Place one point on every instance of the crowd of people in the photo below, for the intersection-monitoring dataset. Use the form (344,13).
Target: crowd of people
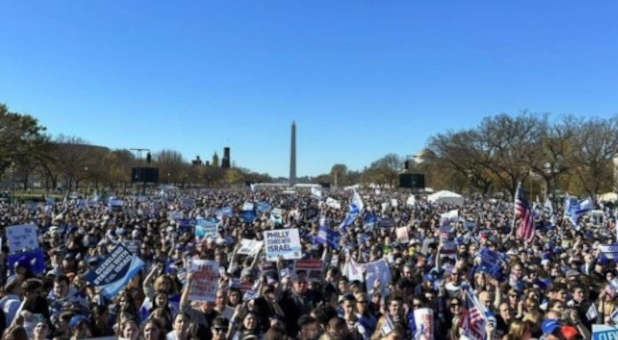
(463,275)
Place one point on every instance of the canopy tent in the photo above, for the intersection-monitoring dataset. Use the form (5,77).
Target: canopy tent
(447,197)
(609,197)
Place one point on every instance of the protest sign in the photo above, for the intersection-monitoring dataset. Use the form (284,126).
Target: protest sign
(282,242)
(402,234)
(263,207)
(206,228)
(313,268)
(411,201)
(275,216)
(423,320)
(33,260)
(115,271)
(604,332)
(333,203)
(377,270)
(188,203)
(353,271)
(22,238)
(250,247)
(247,206)
(449,217)
(204,280)
(394,203)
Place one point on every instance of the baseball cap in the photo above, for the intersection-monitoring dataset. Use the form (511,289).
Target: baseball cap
(549,326)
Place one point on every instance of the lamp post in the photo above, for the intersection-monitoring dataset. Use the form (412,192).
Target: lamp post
(551,171)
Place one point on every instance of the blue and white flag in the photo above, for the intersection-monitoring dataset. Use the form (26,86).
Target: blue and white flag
(357,201)
(349,218)
(225,212)
(263,207)
(610,251)
(574,210)
(115,272)
(328,237)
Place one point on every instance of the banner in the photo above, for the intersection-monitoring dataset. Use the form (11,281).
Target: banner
(204,280)
(610,251)
(282,242)
(604,332)
(313,268)
(115,272)
(22,238)
(250,247)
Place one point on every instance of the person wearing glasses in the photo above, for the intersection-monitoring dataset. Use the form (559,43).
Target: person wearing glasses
(219,328)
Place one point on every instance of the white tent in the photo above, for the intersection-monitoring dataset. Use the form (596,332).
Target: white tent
(446,197)
(609,197)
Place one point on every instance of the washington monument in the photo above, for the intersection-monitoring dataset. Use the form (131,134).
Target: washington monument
(293,156)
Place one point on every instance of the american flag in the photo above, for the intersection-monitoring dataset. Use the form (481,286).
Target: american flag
(474,317)
(525,215)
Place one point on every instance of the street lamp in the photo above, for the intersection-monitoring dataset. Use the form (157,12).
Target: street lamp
(551,171)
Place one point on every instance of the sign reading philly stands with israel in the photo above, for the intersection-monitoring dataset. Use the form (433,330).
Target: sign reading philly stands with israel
(282,242)
(118,268)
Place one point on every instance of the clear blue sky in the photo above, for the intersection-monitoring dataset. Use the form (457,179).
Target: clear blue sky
(361,78)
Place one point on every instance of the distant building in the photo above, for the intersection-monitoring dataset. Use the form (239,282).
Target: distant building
(215,160)
(226,161)
(197,161)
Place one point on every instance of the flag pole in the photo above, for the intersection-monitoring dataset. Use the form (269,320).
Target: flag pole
(514,214)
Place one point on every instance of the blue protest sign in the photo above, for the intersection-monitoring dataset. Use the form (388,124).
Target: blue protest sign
(33,260)
(206,228)
(115,272)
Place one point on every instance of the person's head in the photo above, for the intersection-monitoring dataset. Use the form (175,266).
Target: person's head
(160,300)
(41,330)
(361,303)
(300,283)
(556,306)
(79,327)
(250,321)
(505,312)
(485,299)
(219,328)
(181,324)
(579,294)
(519,330)
(153,330)
(408,271)
(348,305)
(15,333)
(337,328)
(309,329)
(235,297)
(61,286)
(163,284)
(395,306)
(129,330)
(455,306)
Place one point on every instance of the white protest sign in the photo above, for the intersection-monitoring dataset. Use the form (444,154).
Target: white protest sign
(250,247)
(282,242)
(353,271)
(411,201)
(333,203)
(423,318)
(247,206)
(402,234)
(20,237)
(449,217)
(394,203)
(610,251)
(204,280)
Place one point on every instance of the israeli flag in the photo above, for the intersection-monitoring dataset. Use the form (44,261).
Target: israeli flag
(575,210)
(349,218)
(328,237)
(357,201)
